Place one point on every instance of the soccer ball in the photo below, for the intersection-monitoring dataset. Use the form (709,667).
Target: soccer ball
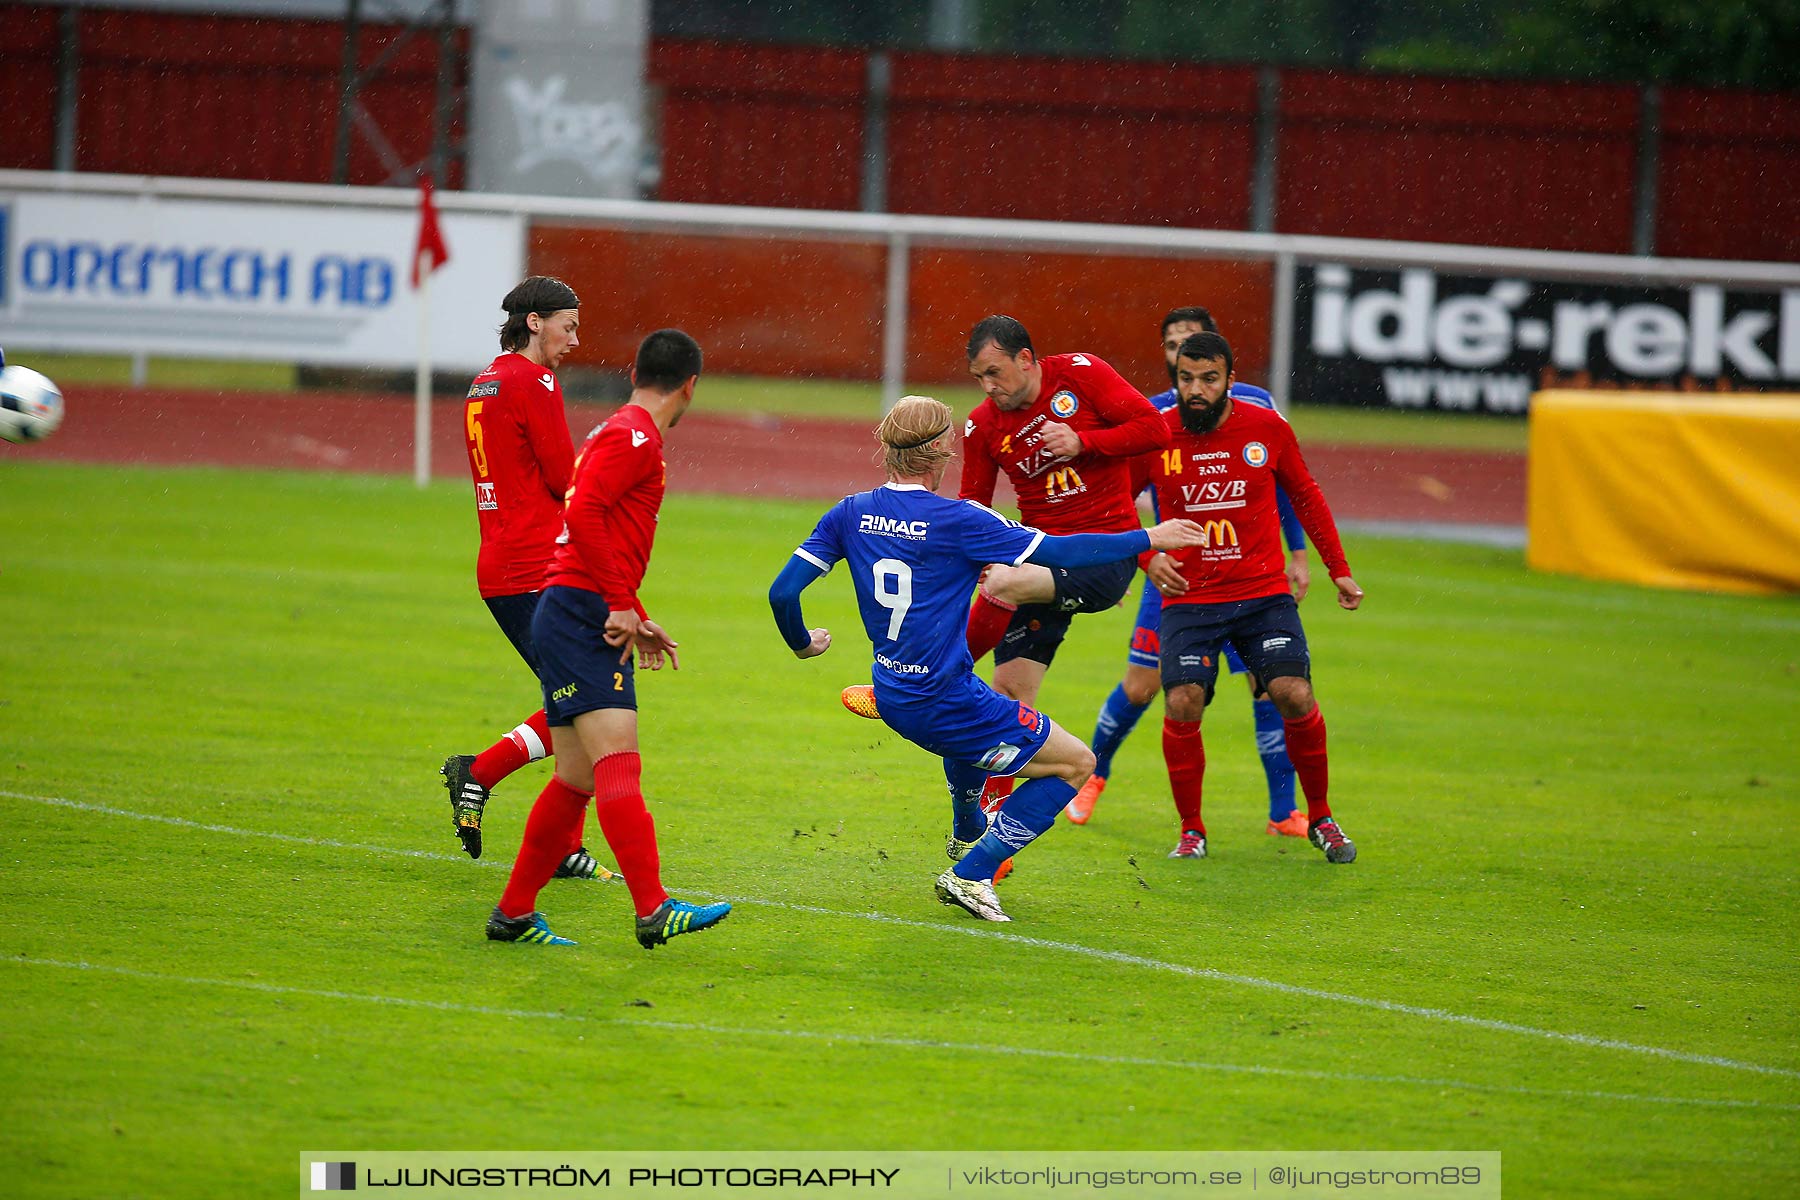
(31,407)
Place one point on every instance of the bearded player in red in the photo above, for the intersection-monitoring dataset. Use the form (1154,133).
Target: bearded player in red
(588,624)
(1220,470)
(521,459)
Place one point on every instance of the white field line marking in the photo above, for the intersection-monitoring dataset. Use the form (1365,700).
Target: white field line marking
(878,1040)
(1115,956)
(1293,989)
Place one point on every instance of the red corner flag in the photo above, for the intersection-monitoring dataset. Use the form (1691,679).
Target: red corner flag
(431,252)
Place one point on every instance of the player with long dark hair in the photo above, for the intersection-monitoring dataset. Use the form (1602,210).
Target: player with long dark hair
(521,459)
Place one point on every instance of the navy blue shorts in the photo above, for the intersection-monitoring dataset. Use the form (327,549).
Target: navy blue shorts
(1266,632)
(1036,630)
(513,614)
(1146,635)
(970,723)
(579,671)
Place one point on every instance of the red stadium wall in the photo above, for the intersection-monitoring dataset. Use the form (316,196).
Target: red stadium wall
(1543,165)
(1540,166)
(29,41)
(1727,175)
(220,97)
(1108,306)
(758,305)
(761,125)
(800,307)
(1067,140)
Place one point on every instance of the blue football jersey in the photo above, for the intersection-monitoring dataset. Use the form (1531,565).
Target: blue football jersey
(1163,401)
(914,557)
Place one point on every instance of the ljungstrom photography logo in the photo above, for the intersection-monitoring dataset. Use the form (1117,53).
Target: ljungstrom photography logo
(334,1177)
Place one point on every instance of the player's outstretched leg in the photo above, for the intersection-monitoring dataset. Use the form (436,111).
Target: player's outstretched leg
(988,619)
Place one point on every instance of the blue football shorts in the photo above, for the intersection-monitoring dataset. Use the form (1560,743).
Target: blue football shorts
(579,672)
(969,722)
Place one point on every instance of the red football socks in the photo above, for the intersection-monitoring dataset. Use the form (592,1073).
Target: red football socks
(558,810)
(528,743)
(988,619)
(1185,755)
(995,792)
(1306,750)
(629,830)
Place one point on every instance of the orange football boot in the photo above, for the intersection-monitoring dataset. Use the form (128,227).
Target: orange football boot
(859,698)
(1293,826)
(1079,809)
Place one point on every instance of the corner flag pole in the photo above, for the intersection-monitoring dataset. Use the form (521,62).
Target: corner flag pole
(429,253)
(422,382)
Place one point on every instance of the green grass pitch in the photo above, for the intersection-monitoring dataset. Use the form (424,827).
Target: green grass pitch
(237,924)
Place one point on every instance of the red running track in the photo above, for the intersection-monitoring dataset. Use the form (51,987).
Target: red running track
(750,455)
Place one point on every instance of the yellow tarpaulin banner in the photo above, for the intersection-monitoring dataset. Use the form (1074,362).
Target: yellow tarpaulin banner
(1694,491)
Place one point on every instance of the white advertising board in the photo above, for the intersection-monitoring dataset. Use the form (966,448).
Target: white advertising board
(220,279)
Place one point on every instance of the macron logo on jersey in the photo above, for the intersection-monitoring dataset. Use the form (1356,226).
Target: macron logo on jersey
(549,382)
(638,438)
(880,526)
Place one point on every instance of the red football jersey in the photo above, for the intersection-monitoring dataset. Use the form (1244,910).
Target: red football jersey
(1090,493)
(1225,480)
(611,516)
(521,458)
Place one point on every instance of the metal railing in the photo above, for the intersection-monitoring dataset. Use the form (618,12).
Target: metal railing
(901,235)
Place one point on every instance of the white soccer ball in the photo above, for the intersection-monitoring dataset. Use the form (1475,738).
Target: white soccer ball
(31,407)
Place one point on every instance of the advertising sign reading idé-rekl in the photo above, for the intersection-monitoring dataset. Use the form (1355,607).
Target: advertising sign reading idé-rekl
(1417,338)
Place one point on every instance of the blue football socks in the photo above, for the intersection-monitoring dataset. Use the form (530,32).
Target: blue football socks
(968,822)
(1029,812)
(1118,717)
(1271,744)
